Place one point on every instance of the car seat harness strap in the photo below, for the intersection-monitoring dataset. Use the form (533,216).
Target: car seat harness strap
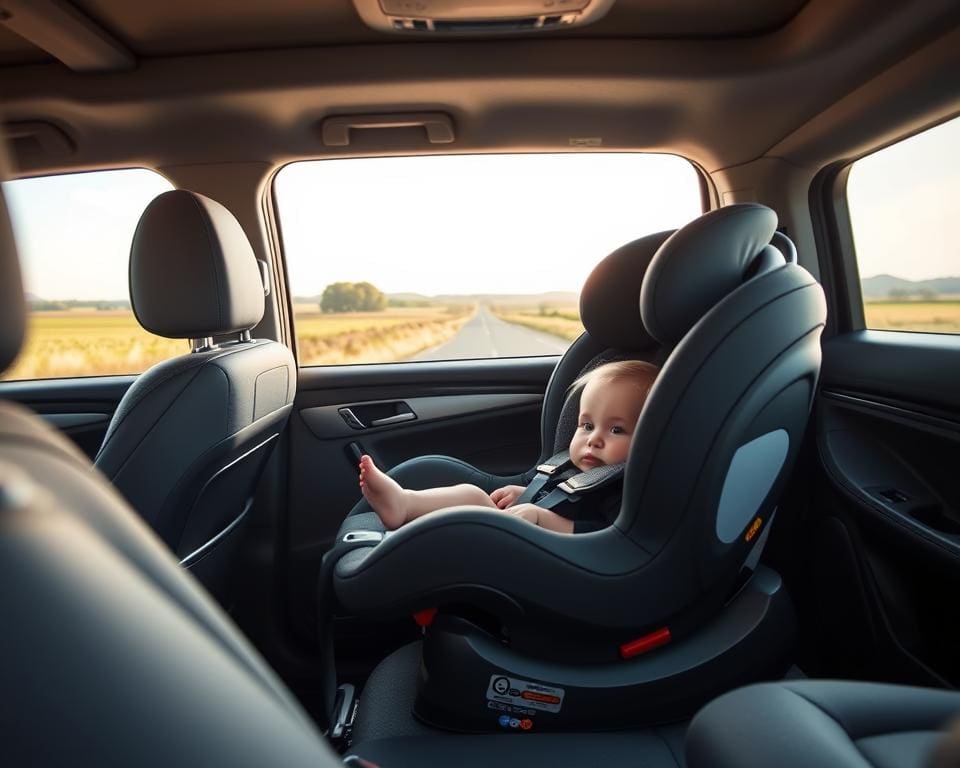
(558,480)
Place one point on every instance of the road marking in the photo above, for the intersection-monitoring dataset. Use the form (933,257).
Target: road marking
(486,326)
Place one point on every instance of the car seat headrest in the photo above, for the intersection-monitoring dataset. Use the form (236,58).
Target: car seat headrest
(609,301)
(13,310)
(703,262)
(193,273)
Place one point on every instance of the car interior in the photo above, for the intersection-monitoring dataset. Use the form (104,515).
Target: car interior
(404,230)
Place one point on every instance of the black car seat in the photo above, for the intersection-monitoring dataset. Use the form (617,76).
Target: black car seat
(713,448)
(189,440)
(614,331)
(813,723)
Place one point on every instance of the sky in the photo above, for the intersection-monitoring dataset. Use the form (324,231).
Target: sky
(905,204)
(476,224)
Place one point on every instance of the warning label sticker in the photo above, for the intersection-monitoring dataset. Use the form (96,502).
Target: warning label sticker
(524,694)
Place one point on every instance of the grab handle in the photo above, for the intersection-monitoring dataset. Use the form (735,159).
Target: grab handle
(438,125)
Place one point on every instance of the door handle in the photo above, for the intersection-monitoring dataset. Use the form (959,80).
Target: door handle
(351,418)
(396,419)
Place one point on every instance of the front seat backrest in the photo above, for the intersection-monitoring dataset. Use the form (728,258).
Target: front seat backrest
(188,441)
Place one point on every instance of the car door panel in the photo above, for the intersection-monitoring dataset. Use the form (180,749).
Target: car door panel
(485,412)
(81,407)
(887,554)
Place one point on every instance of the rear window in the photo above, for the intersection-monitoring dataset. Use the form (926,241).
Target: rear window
(449,257)
(904,203)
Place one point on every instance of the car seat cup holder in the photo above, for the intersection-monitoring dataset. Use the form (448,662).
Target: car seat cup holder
(472,681)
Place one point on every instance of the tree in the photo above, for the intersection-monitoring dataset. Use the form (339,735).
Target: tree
(369,298)
(352,297)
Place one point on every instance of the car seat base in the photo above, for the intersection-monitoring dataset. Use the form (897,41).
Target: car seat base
(471,682)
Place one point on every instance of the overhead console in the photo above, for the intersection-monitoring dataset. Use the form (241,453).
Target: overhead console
(472,17)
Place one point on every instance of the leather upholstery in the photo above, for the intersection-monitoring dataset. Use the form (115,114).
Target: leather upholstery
(808,723)
(699,265)
(116,655)
(193,273)
(175,413)
(608,302)
(188,441)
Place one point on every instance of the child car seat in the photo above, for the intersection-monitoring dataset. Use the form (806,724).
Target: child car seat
(712,451)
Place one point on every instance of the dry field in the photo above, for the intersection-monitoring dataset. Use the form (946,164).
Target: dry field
(95,343)
(559,321)
(87,342)
(375,337)
(930,316)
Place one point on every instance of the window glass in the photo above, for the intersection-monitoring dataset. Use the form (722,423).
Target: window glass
(73,234)
(445,257)
(904,204)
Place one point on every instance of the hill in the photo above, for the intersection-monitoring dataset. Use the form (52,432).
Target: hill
(881,286)
(527,299)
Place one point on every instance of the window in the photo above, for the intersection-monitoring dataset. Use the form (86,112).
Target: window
(74,233)
(446,257)
(904,204)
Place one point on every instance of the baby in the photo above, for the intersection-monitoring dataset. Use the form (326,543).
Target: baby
(610,404)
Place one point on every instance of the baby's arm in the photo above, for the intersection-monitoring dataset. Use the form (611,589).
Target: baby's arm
(542,517)
(506,496)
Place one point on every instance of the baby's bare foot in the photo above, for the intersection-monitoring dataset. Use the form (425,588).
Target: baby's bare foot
(383,493)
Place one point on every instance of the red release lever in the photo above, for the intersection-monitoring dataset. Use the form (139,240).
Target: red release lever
(646,643)
(425,617)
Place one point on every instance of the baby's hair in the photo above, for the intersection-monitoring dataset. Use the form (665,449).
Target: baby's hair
(639,372)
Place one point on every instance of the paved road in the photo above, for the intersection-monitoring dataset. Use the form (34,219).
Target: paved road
(487,336)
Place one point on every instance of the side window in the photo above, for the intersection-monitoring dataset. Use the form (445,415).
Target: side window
(73,234)
(461,256)
(904,204)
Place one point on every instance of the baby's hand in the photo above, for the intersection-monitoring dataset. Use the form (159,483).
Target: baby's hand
(504,497)
(528,512)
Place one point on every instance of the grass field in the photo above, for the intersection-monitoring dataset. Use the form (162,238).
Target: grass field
(559,321)
(86,342)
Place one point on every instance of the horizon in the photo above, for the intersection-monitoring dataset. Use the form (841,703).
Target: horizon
(30,297)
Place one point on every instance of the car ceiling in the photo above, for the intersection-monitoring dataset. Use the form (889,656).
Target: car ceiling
(722,82)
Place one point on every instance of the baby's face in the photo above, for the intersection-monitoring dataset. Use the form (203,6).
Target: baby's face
(608,416)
